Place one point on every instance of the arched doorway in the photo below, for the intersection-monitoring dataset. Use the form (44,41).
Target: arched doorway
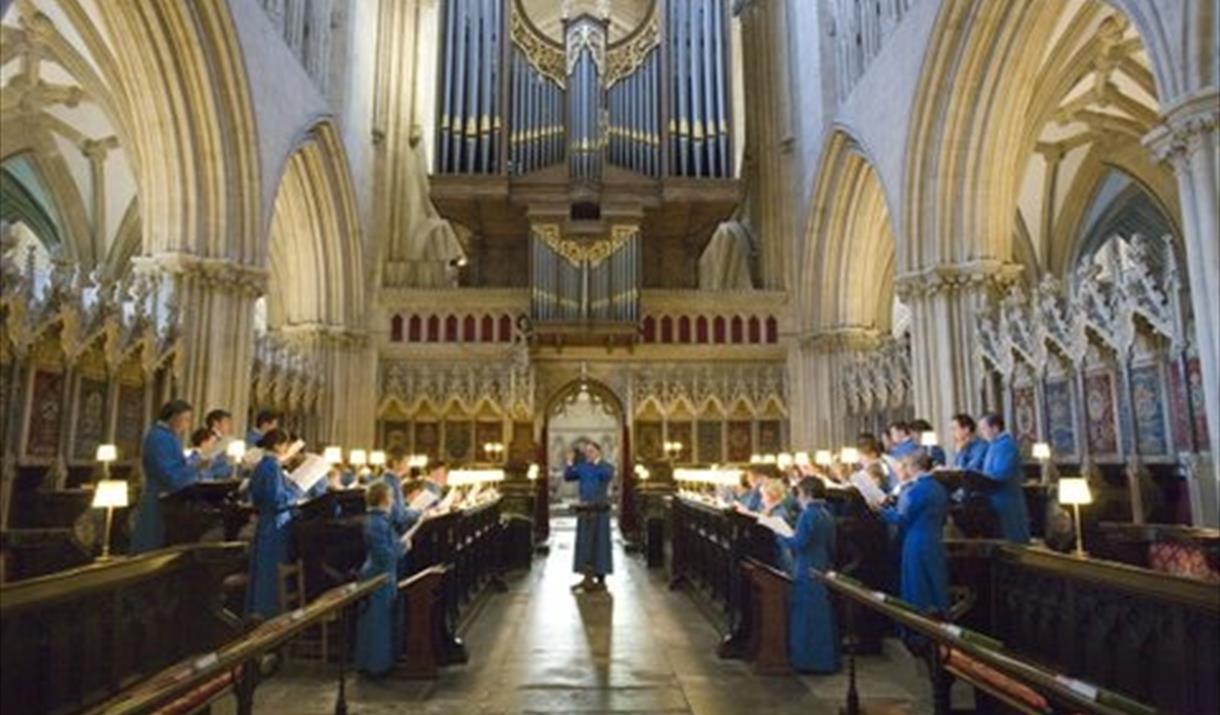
(586,409)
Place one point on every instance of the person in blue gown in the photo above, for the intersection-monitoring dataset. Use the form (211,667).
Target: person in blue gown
(813,637)
(1002,464)
(210,470)
(220,424)
(901,440)
(918,427)
(437,480)
(920,518)
(165,470)
(777,501)
(752,500)
(273,497)
(264,422)
(592,556)
(971,450)
(377,631)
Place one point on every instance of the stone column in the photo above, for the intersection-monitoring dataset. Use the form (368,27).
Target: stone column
(1189,139)
(817,402)
(213,300)
(946,370)
(346,361)
(769,136)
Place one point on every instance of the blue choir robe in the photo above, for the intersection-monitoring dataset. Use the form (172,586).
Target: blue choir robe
(971,455)
(398,508)
(813,637)
(165,470)
(1002,464)
(273,496)
(252,437)
(939,458)
(218,470)
(592,528)
(377,631)
(903,448)
(920,518)
(752,500)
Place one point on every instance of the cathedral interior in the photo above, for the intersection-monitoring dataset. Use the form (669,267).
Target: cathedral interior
(596,274)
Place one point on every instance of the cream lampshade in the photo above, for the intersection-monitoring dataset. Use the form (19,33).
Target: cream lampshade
(824,457)
(107,453)
(768,459)
(928,439)
(358,457)
(783,460)
(377,458)
(801,459)
(333,455)
(849,455)
(109,494)
(532,473)
(756,459)
(236,450)
(1075,491)
(1041,451)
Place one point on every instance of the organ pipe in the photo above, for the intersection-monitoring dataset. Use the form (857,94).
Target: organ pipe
(468,91)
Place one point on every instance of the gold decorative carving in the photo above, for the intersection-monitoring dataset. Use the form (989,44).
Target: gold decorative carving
(547,59)
(625,57)
(577,251)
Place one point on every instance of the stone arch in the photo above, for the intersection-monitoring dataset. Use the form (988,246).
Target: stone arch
(850,234)
(314,251)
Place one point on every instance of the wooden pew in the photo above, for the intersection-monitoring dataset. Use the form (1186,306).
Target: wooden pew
(194,682)
(424,633)
(1151,635)
(204,511)
(75,638)
(954,652)
(768,647)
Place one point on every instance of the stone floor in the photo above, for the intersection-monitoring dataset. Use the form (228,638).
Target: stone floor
(639,648)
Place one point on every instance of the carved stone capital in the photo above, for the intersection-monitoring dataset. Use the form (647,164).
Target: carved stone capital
(324,335)
(217,273)
(842,339)
(956,277)
(1185,126)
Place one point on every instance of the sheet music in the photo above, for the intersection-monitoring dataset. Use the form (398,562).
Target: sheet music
(217,450)
(776,524)
(867,487)
(311,470)
(252,457)
(422,500)
(447,502)
(294,449)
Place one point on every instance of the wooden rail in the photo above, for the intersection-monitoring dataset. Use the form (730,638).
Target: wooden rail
(200,679)
(978,659)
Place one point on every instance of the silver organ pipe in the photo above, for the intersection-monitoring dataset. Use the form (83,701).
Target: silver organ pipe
(469,91)
(574,281)
(697,52)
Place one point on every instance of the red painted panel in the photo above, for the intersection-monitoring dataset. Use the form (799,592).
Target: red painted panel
(667,329)
(396,329)
(489,329)
(755,329)
(506,329)
(738,330)
(415,329)
(434,329)
(701,330)
(718,332)
(451,329)
(684,330)
(772,330)
(649,330)
(469,330)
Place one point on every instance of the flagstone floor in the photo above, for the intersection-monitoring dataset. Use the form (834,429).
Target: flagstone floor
(639,648)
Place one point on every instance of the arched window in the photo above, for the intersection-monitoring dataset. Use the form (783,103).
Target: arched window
(396,329)
(684,330)
(415,329)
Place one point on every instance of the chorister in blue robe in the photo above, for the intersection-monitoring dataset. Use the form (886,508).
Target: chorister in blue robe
(165,470)
(1003,464)
(903,448)
(273,497)
(377,631)
(971,455)
(939,458)
(813,638)
(920,518)
(752,499)
(253,437)
(219,468)
(593,526)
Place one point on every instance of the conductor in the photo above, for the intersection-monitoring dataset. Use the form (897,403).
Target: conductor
(592,517)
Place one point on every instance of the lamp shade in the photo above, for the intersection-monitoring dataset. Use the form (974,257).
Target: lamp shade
(377,458)
(756,459)
(824,457)
(849,455)
(418,461)
(107,453)
(532,472)
(358,457)
(1041,450)
(783,460)
(801,459)
(768,459)
(928,439)
(1075,491)
(110,493)
(236,449)
(333,455)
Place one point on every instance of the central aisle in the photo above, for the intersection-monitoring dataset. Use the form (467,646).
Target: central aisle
(639,648)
